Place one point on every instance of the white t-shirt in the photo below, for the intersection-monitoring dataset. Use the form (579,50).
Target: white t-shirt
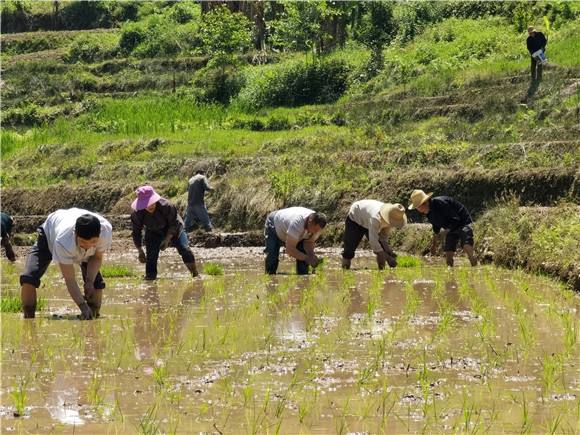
(366,213)
(291,222)
(59,229)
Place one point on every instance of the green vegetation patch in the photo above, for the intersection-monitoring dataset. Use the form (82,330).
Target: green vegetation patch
(13,304)
(213,269)
(117,271)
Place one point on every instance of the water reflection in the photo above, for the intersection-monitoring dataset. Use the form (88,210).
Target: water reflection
(414,351)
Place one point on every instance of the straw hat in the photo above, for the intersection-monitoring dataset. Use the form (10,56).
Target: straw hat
(418,197)
(145,197)
(531,29)
(394,215)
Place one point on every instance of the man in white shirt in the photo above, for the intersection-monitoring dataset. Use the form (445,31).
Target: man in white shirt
(296,228)
(68,237)
(375,220)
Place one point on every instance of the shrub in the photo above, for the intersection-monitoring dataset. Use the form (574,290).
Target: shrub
(131,36)
(89,48)
(294,84)
(216,85)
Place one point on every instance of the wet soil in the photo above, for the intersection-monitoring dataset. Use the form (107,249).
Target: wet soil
(400,351)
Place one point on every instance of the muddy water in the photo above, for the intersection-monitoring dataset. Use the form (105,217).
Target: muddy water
(412,350)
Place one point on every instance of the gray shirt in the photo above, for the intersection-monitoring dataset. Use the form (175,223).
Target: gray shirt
(291,222)
(196,189)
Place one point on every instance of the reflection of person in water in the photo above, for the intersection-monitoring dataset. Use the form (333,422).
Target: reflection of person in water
(159,327)
(64,390)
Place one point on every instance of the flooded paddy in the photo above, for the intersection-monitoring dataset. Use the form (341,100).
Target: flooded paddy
(411,350)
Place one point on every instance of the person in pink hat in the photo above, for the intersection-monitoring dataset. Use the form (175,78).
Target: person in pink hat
(163,225)
(447,214)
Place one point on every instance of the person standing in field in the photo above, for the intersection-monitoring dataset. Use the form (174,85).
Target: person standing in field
(196,189)
(450,215)
(296,228)
(162,225)
(536,41)
(72,236)
(6,228)
(375,220)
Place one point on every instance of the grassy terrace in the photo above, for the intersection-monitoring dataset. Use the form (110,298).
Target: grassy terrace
(452,111)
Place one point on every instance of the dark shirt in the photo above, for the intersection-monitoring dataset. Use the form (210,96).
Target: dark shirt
(446,212)
(164,220)
(6,224)
(536,43)
(197,187)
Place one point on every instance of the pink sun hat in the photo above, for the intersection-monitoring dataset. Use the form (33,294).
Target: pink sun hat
(145,197)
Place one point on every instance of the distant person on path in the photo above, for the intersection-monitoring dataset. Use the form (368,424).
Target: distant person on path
(6,227)
(68,237)
(162,225)
(196,189)
(450,215)
(536,41)
(375,220)
(296,228)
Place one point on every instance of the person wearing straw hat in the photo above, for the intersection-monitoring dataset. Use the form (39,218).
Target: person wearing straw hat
(162,225)
(536,41)
(450,215)
(69,236)
(375,220)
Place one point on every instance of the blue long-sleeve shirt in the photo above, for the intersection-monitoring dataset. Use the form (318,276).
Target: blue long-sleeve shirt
(446,212)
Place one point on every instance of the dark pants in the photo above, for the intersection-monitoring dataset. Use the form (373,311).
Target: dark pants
(463,234)
(8,247)
(536,69)
(39,259)
(273,245)
(153,241)
(353,234)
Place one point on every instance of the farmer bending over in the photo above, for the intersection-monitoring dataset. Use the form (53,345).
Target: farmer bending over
(375,220)
(162,225)
(449,214)
(296,228)
(67,237)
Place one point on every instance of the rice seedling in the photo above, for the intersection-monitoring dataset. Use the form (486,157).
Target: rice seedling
(570,332)
(116,271)
(408,261)
(213,269)
(148,423)
(412,300)
(94,394)
(18,395)
(551,366)
(13,304)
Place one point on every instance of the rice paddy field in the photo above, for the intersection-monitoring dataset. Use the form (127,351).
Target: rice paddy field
(416,349)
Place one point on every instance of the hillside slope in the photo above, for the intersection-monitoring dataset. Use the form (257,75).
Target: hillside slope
(88,134)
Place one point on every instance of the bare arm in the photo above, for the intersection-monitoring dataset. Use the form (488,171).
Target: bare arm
(93,267)
(309,257)
(68,273)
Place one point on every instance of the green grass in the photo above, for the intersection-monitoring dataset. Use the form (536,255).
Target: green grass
(213,269)
(12,304)
(407,261)
(117,271)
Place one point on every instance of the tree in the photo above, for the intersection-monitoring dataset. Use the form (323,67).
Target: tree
(374,28)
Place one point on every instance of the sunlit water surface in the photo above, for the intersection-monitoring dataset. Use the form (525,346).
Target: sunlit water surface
(411,350)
